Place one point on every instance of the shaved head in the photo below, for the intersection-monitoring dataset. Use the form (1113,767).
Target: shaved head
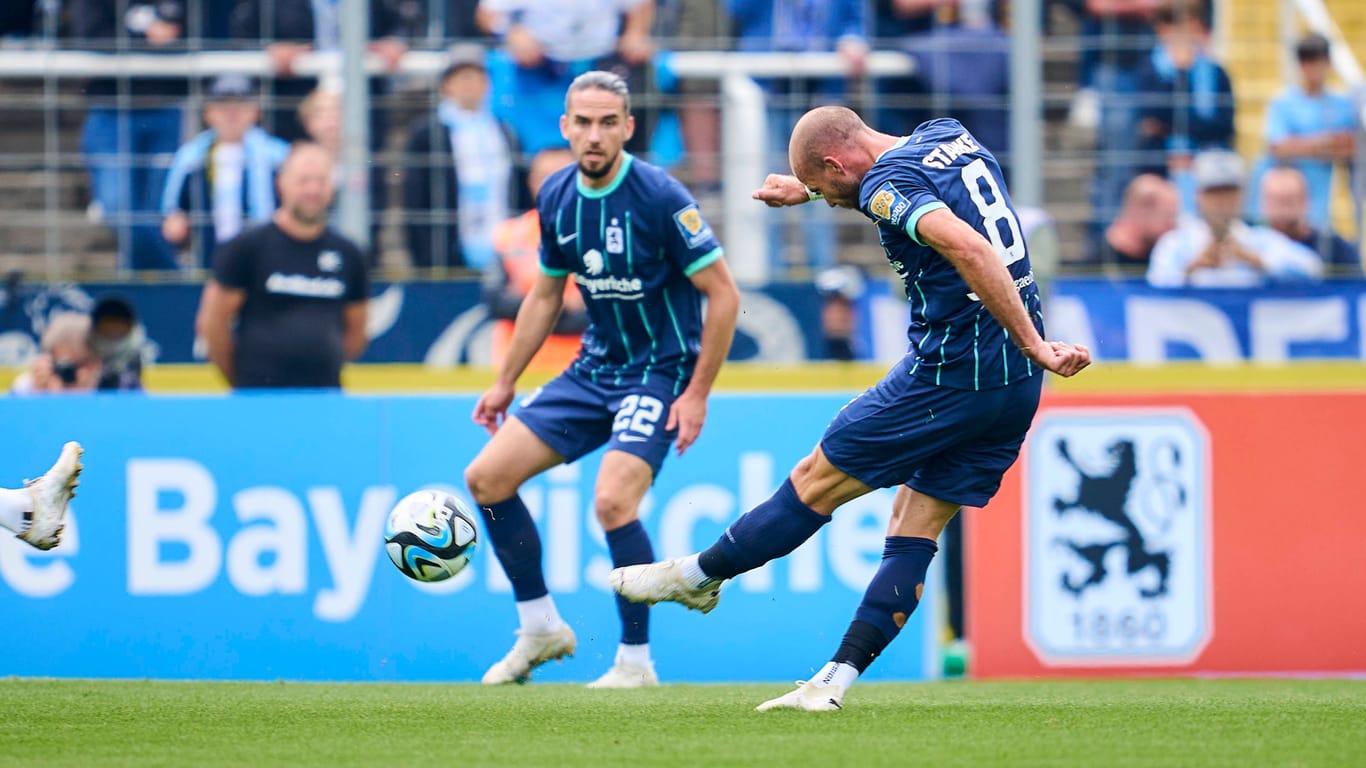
(831,150)
(305,184)
(822,131)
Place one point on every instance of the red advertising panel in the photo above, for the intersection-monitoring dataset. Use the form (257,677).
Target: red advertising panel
(1176,534)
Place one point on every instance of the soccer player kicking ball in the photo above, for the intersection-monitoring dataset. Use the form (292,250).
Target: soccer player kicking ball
(945,423)
(643,258)
(36,513)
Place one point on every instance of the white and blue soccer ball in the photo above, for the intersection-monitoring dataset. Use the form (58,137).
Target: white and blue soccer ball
(430,535)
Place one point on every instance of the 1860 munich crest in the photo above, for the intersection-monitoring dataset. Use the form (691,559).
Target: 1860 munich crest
(1117,536)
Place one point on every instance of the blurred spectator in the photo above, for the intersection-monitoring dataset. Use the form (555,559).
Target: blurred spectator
(696,25)
(1312,127)
(1187,99)
(1217,249)
(215,19)
(459,166)
(320,113)
(966,67)
(66,363)
(294,27)
(798,26)
(459,21)
(1116,35)
(1285,208)
(118,340)
(224,178)
(132,124)
(508,278)
(904,100)
(1149,211)
(906,18)
(1117,42)
(295,290)
(18,18)
(840,288)
(548,43)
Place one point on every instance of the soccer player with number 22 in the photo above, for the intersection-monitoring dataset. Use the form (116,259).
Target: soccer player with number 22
(944,424)
(643,258)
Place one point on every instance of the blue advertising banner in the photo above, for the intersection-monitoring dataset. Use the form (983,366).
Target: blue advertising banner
(437,323)
(1129,320)
(240,537)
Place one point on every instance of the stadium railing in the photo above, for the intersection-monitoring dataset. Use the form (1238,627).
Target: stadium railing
(743,141)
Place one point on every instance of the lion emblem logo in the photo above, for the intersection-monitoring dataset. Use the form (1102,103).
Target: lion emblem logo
(1106,495)
(1118,536)
(592,261)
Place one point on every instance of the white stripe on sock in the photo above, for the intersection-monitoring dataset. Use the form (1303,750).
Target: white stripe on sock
(634,655)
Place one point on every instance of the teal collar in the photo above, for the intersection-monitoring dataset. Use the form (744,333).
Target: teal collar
(589,192)
(901,142)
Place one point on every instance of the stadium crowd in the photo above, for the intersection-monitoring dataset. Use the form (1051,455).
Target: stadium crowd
(449,165)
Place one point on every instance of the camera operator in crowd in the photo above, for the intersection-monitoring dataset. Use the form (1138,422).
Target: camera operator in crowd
(67,362)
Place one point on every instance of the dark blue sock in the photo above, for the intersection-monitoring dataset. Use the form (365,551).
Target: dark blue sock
(767,532)
(517,545)
(630,545)
(889,601)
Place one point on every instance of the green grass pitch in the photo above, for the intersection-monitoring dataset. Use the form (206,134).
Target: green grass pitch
(1074,723)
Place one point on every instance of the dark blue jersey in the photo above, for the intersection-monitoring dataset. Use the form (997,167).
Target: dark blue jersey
(956,341)
(631,248)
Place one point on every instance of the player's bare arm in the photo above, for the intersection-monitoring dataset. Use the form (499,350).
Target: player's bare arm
(537,317)
(213,323)
(981,268)
(689,411)
(781,189)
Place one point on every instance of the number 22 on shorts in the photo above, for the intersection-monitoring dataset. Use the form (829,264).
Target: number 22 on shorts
(637,417)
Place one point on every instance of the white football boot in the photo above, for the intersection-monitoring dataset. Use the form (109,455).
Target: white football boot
(810,696)
(51,494)
(529,652)
(624,675)
(663,582)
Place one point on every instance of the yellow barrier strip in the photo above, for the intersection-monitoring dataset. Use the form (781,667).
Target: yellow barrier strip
(823,377)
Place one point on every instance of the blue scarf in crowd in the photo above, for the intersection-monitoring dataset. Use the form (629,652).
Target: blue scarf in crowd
(482,177)
(261,155)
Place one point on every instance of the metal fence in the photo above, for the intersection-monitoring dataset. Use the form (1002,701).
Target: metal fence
(49,229)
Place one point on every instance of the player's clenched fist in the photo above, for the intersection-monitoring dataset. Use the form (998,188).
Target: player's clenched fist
(779,190)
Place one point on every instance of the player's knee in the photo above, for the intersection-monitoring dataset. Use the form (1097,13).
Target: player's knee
(485,486)
(822,486)
(613,512)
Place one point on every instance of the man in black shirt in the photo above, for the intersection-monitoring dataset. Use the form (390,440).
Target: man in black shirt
(296,288)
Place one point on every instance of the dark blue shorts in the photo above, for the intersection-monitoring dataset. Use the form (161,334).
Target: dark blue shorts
(575,416)
(951,444)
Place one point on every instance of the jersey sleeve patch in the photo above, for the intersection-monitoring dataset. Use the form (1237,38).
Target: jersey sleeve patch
(889,205)
(691,225)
